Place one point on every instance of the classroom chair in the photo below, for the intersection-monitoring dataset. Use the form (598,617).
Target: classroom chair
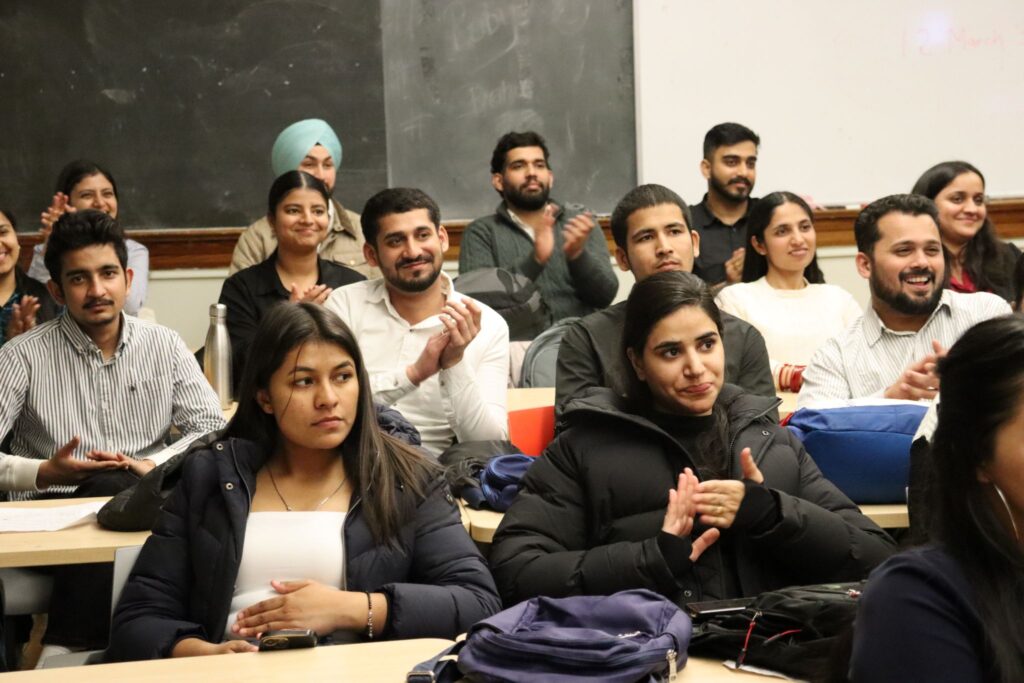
(532,429)
(124,561)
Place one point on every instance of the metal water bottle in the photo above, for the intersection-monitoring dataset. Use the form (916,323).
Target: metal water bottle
(217,356)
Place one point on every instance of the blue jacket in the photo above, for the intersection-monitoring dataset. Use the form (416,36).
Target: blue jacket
(436,582)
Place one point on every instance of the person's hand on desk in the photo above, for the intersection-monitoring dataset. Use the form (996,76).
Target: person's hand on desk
(64,468)
(196,647)
(139,468)
(312,605)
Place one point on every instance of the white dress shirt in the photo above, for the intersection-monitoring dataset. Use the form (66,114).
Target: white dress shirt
(867,358)
(465,402)
(55,384)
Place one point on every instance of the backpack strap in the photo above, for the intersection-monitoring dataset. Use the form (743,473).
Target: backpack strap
(441,668)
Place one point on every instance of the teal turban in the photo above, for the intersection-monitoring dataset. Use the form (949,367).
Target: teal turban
(296,140)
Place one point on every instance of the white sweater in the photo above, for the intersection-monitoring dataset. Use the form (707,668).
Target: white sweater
(794,322)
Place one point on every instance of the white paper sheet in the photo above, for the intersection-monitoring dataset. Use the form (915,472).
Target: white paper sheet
(47,518)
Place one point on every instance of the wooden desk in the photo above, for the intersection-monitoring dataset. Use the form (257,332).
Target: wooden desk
(537,397)
(482,523)
(893,516)
(77,545)
(383,661)
(376,662)
(788,403)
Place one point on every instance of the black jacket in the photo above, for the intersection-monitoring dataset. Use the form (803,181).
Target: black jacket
(588,517)
(436,582)
(591,355)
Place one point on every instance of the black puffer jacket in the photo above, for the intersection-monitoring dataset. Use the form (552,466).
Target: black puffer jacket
(588,517)
(436,582)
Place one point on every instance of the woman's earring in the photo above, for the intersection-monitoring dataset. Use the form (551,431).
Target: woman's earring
(1009,512)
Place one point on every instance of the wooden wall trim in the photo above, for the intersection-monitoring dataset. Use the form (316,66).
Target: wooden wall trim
(212,247)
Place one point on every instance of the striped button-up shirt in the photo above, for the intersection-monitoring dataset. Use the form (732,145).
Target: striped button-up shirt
(55,384)
(867,358)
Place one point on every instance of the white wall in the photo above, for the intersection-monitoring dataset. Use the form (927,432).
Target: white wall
(852,100)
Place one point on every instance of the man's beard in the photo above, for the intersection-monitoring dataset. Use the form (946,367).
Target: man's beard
(532,201)
(900,301)
(413,285)
(738,191)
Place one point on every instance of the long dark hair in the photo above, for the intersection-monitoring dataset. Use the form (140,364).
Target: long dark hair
(755,265)
(376,464)
(982,388)
(980,257)
(651,300)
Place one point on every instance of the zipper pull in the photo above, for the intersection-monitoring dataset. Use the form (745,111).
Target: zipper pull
(672,671)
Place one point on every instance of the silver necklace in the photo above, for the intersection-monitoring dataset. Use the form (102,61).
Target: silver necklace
(289,507)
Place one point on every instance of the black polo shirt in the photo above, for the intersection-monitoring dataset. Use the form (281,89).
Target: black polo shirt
(717,240)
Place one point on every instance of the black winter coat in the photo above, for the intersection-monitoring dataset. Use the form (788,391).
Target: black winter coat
(436,582)
(591,508)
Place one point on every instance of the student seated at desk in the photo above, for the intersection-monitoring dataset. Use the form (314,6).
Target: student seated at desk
(783,293)
(91,391)
(304,516)
(297,213)
(685,487)
(82,185)
(950,611)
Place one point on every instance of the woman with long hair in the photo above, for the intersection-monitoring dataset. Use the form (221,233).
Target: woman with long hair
(84,184)
(304,515)
(23,301)
(783,293)
(951,610)
(685,487)
(978,260)
(297,212)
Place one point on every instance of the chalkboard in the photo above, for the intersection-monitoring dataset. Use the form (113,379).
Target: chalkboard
(182,100)
(460,73)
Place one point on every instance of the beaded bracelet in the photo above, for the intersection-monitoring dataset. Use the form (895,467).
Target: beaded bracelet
(369,616)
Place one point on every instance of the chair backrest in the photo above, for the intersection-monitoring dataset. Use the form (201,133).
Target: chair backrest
(532,429)
(542,356)
(124,561)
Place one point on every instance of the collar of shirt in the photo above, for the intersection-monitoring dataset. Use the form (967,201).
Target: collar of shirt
(874,327)
(521,224)
(84,344)
(703,218)
(378,293)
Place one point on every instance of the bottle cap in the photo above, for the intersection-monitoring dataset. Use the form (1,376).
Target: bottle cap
(219,311)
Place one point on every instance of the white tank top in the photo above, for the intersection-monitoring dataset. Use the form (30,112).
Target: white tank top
(287,546)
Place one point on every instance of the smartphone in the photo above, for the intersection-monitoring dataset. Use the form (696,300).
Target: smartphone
(710,607)
(288,639)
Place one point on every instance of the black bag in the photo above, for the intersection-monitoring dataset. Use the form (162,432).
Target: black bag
(137,507)
(513,296)
(791,630)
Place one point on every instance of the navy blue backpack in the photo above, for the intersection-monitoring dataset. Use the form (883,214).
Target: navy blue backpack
(634,635)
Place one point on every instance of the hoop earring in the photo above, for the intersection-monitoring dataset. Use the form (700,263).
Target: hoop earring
(1009,512)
